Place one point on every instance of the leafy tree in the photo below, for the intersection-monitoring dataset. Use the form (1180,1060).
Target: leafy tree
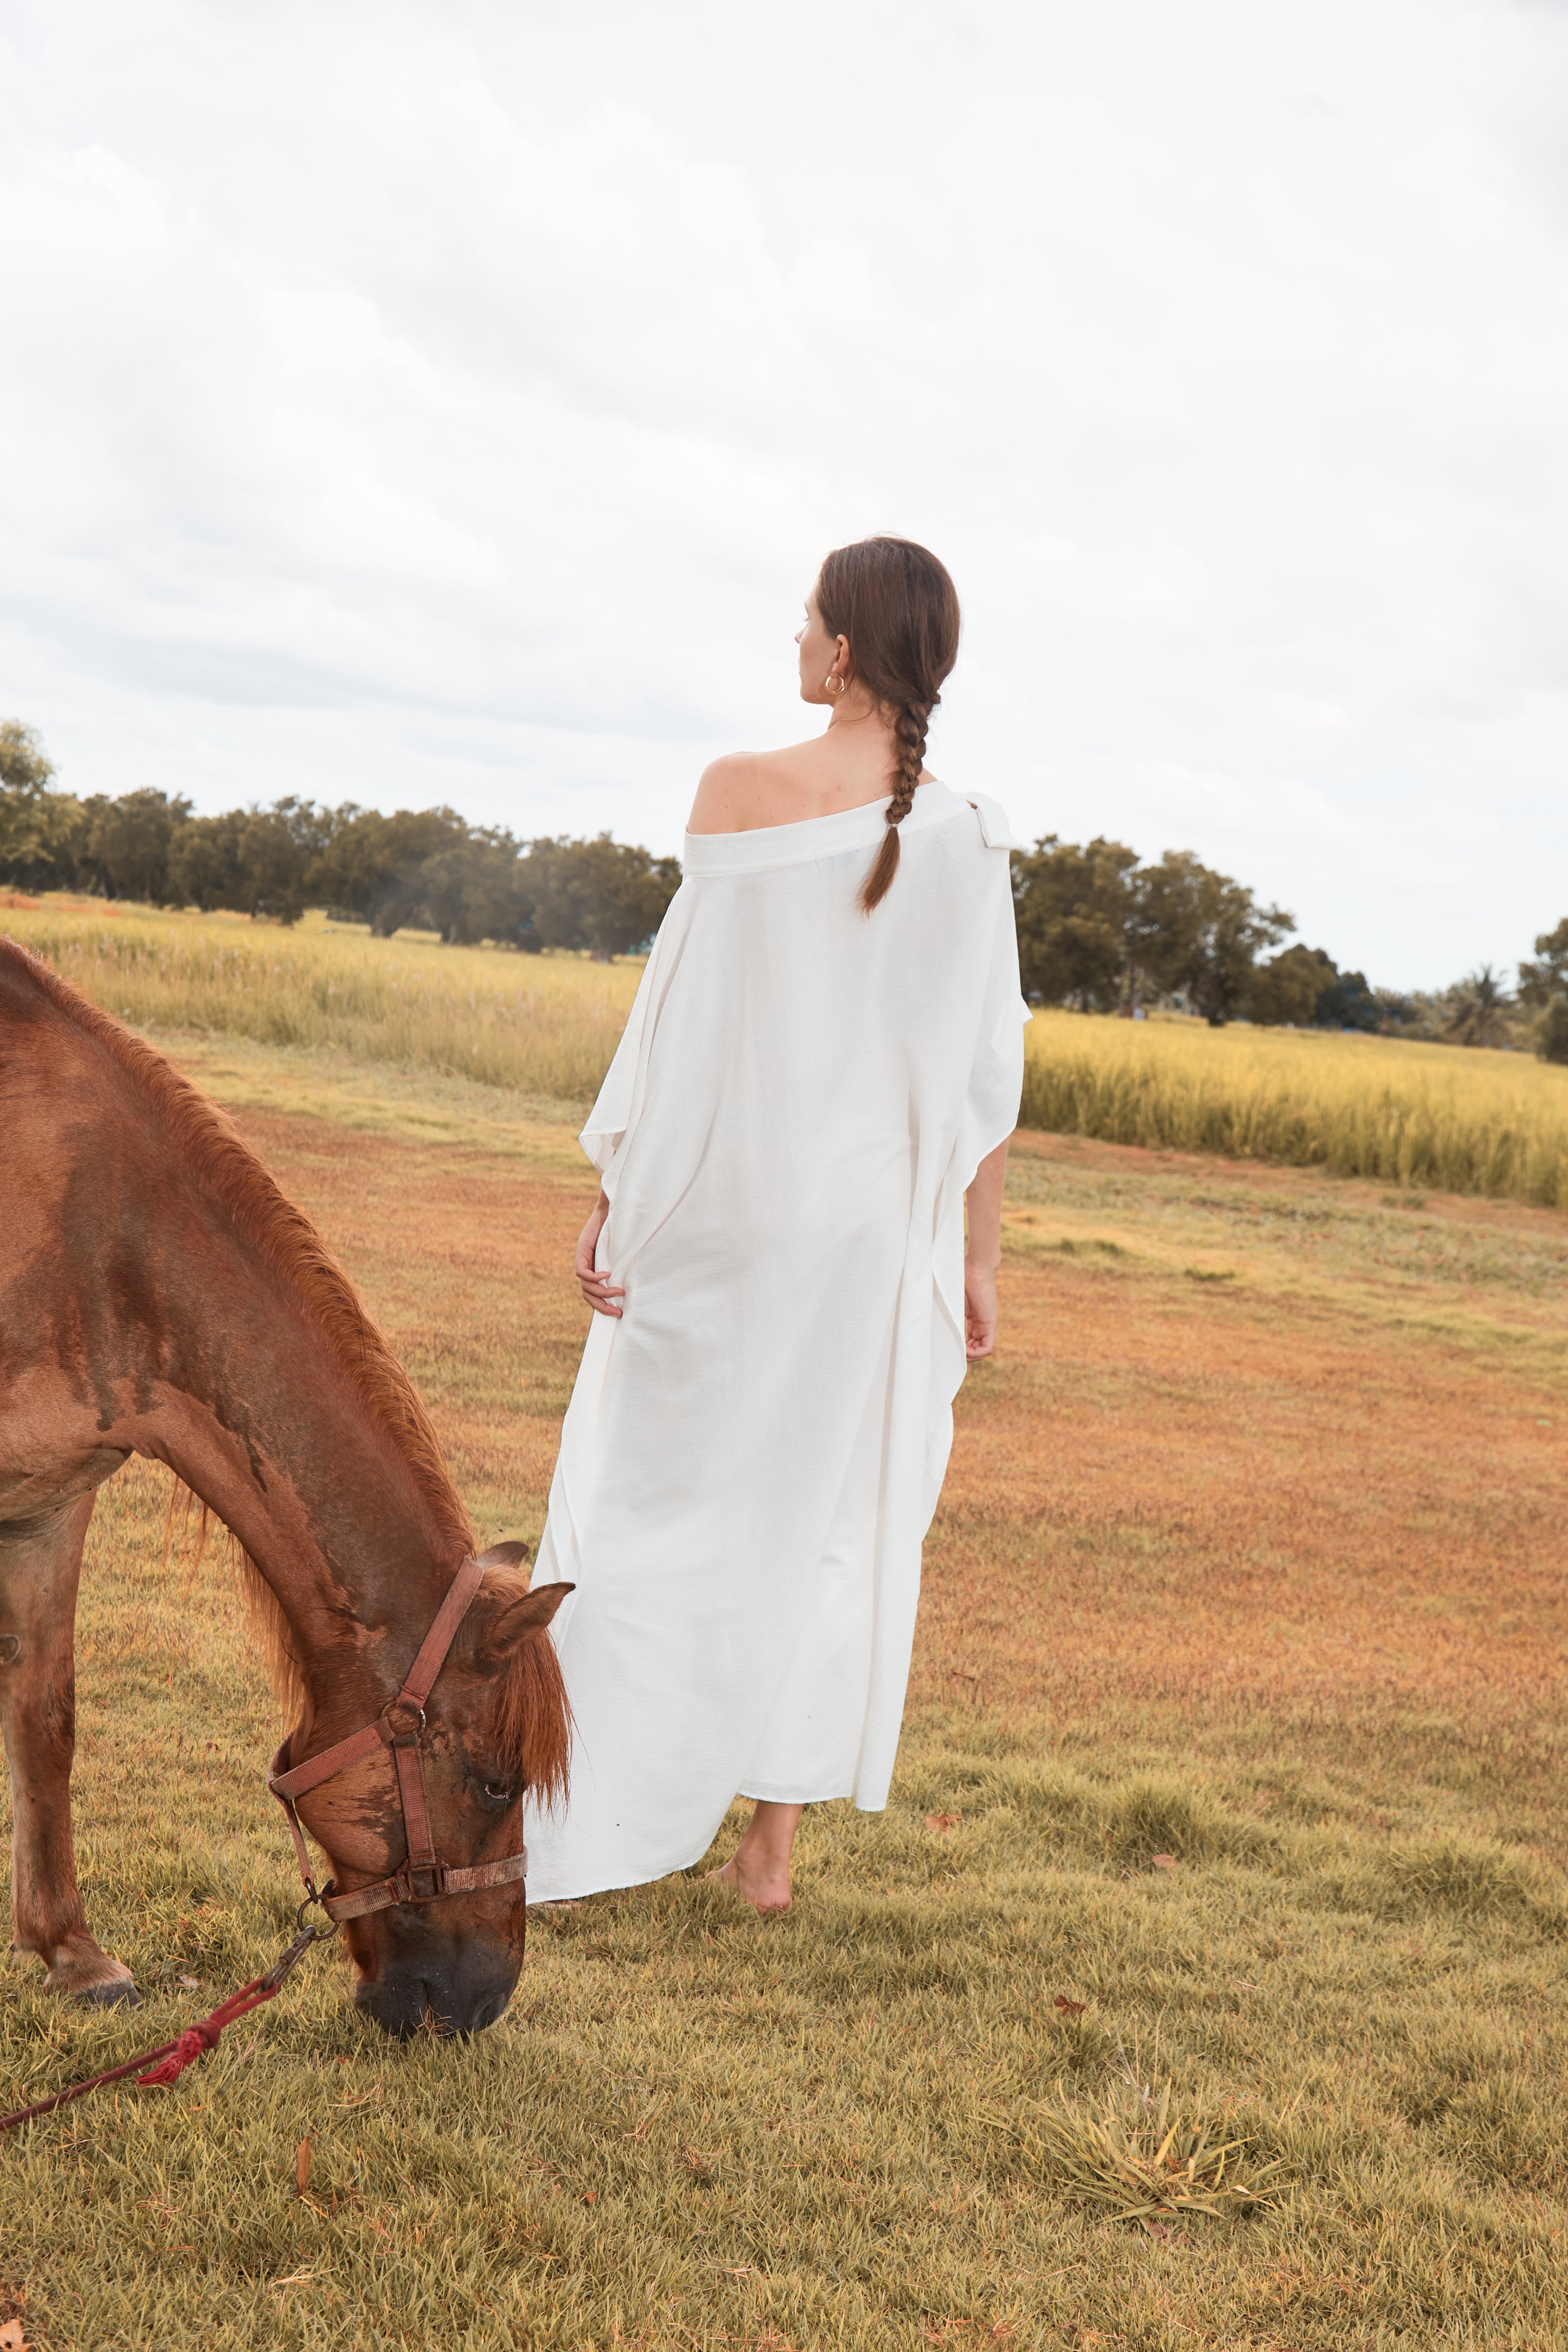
(1540,980)
(253,860)
(1198,932)
(1072,908)
(1287,991)
(601,895)
(38,826)
(1400,1013)
(1552,1032)
(126,844)
(1304,987)
(477,889)
(25,765)
(1350,1004)
(366,863)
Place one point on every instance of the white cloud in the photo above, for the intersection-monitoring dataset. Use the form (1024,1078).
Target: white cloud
(429,402)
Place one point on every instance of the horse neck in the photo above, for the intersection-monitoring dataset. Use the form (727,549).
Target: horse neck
(260,1416)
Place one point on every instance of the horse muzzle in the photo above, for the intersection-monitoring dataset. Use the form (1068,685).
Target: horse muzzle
(416,1975)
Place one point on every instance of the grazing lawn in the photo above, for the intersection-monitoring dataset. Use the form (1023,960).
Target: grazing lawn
(1229,1805)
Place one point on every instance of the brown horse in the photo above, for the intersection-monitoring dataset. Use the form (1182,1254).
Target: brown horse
(158,1295)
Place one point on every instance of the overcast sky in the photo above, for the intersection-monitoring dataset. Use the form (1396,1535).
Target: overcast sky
(409,403)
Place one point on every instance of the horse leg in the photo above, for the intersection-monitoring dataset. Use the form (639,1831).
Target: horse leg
(40,1563)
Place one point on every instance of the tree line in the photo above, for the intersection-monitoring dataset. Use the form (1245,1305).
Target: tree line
(1101,932)
(426,870)
(1098,930)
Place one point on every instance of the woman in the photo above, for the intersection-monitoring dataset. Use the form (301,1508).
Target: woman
(825,1052)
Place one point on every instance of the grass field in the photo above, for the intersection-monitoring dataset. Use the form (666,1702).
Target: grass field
(1251,1557)
(1386,1107)
(543,1028)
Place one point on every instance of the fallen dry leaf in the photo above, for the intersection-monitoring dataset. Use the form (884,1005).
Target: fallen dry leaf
(940,1824)
(1165,1861)
(302,2167)
(1069,2008)
(187,1983)
(12,2339)
(591,2196)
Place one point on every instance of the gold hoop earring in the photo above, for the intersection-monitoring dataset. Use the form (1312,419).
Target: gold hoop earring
(831,685)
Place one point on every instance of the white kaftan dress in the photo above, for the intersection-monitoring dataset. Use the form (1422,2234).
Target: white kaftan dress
(754,1451)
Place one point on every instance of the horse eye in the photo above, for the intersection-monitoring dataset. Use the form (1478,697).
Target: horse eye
(498,1791)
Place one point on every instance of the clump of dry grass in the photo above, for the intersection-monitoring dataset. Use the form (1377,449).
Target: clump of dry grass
(1142,2161)
(1462,1120)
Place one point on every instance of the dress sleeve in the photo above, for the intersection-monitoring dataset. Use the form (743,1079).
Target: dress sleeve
(614,1113)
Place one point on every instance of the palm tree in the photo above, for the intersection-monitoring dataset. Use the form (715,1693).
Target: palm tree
(1477,1007)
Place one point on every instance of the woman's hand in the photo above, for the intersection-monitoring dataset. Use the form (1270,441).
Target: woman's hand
(980,1312)
(597,1288)
(983,1254)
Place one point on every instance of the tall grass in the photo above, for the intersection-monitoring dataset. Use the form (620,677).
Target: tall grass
(1455,1120)
(546,1027)
(543,1026)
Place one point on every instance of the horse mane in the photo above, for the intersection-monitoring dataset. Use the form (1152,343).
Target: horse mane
(532,1726)
(287,1242)
(274,1634)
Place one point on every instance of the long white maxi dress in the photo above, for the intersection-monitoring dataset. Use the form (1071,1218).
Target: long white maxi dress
(754,1451)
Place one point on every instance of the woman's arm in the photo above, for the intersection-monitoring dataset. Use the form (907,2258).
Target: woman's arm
(984,1253)
(597,1288)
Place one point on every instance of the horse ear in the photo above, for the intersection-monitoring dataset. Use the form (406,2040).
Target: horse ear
(505,1555)
(530,1613)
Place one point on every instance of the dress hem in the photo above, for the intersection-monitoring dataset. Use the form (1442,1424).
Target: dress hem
(675,1869)
(832,1796)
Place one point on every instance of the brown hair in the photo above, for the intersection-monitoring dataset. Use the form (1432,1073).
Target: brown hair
(899,610)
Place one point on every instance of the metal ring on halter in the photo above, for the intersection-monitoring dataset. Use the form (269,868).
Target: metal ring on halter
(316,1900)
(402,1702)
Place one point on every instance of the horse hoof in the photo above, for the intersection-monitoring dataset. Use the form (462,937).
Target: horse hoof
(120,1993)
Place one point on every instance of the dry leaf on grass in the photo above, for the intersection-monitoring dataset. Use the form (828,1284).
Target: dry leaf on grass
(12,2336)
(1069,2008)
(940,1824)
(302,2168)
(186,1984)
(1165,1861)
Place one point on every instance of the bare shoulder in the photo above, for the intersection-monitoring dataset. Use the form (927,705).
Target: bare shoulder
(746,788)
(722,790)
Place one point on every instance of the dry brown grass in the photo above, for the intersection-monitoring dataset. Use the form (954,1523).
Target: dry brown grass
(1250,1560)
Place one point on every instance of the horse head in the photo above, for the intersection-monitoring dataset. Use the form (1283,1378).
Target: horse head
(435,1951)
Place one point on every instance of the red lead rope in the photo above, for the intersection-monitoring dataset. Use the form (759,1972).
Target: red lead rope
(170,2059)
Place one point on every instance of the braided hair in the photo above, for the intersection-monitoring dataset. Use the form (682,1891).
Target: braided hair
(899,610)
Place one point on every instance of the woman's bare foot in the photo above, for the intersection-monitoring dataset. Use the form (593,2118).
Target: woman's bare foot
(759,1869)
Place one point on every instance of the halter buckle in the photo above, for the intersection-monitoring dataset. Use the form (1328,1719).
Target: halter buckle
(419,1885)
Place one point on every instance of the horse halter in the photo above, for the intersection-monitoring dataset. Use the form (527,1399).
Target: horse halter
(399,1726)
